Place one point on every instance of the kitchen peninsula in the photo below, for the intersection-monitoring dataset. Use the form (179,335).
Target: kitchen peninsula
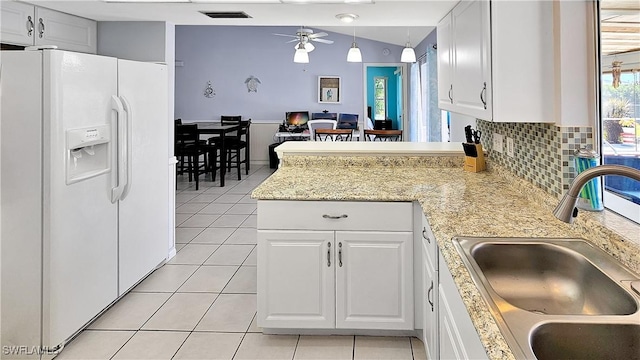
(332,208)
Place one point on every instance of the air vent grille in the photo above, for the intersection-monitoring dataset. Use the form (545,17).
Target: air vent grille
(227,15)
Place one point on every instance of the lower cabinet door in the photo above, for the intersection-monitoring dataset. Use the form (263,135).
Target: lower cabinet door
(374,280)
(296,284)
(458,336)
(430,309)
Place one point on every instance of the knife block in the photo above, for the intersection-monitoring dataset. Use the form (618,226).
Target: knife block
(475,164)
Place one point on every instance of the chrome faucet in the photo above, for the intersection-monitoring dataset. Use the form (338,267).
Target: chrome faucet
(566,209)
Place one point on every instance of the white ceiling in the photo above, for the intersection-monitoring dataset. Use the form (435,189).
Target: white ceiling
(385,20)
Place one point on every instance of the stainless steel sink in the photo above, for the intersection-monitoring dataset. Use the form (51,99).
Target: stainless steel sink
(586,341)
(539,289)
(550,279)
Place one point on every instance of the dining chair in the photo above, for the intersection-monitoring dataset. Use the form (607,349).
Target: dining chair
(235,144)
(189,146)
(382,135)
(333,134)
(320,124)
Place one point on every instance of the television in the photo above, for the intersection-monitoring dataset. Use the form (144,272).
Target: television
(297,118)
(348,121)
(322,115)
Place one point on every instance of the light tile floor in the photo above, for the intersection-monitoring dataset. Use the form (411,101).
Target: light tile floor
(202,303)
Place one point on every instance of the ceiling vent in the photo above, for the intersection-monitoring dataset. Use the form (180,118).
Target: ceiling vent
(227,15)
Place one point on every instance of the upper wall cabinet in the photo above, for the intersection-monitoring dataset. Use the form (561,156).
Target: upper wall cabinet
(24,24)
(495,60)
(464,68)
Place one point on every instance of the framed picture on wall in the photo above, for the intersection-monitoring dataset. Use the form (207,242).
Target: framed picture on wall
(329,89)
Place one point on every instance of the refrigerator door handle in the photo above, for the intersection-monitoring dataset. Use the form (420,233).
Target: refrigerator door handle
(129,118)
(116,192)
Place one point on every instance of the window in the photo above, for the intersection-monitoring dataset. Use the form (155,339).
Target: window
(619,109)
(380,98)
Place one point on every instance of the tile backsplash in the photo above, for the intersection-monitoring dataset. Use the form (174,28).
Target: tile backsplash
(543,152)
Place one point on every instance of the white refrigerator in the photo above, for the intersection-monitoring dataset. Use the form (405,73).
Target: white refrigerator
(85,189)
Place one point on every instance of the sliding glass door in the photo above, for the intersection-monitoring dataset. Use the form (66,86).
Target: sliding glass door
(620,103)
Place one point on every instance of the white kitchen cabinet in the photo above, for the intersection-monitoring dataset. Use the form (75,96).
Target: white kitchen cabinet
(464,66)
(296,279)
(429,309)
(458,336)
(491,72)
(330,271)
(374,280)
(18,23)
(430,289)
(446,53)
(472,66)
(24,24)
(523,61)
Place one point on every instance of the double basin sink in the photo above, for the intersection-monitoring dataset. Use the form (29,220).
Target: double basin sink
(557,298)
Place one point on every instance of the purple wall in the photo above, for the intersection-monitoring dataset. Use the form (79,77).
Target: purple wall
(228,55)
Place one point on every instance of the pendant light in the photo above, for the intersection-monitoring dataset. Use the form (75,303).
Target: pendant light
(301,55)
(354,54)
(408,54)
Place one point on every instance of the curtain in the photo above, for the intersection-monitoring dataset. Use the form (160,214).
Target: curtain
(414,103)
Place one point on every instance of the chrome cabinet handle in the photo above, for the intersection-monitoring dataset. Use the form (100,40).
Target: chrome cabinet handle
(329,254)
(340,254)
(429,295)
(450,91)
(424,235)
(41,25)
(29,26)
(333,217)
(482,94)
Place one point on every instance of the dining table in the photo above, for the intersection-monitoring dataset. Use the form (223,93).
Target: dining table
(216,128)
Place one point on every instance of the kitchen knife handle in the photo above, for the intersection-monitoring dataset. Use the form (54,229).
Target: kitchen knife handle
(429,295)
(425,236)
(334,217)
(482,94)
(329,254)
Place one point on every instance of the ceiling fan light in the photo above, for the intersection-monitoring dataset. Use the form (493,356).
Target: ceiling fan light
(301,55)
(309,47)
(408,54)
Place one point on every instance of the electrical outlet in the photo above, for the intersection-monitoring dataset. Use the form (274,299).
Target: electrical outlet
(498,144)
(510,147)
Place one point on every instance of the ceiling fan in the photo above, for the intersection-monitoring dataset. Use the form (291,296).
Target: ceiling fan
(305,37)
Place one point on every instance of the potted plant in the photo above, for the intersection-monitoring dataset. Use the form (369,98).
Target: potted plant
(618,111)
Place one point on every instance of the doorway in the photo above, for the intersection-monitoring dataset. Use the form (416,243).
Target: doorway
(385,94)
(620,104)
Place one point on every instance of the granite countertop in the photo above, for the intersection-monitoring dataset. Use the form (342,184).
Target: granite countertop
(456,203)
(368,148)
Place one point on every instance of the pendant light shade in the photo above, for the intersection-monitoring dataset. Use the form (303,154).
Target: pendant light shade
(354,54)
(301,55)
(408,54)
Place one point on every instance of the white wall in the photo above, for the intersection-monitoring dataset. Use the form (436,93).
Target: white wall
(228,55)
(133,40)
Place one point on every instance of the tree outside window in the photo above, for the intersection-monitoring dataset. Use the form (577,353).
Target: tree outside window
(380,98)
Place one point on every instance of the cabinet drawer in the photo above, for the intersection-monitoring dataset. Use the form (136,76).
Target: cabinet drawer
(334,215)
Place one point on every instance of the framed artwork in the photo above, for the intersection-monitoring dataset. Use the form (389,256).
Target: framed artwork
(329,89)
